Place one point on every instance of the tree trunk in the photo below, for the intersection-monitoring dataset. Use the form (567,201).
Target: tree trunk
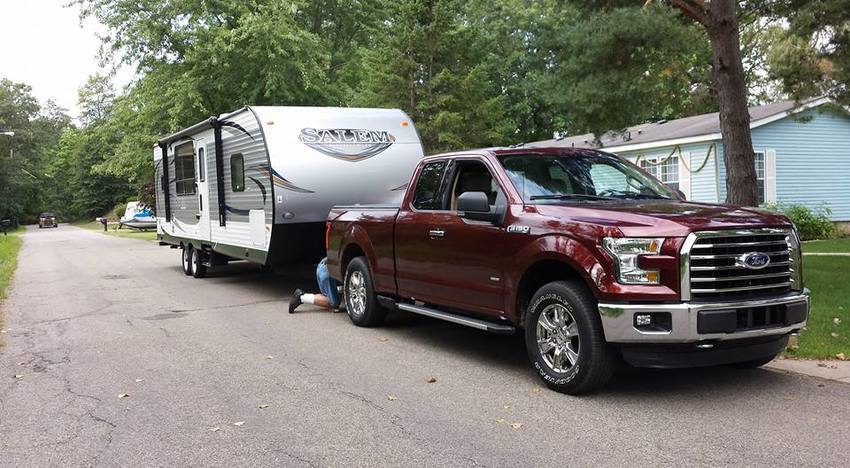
(731,98)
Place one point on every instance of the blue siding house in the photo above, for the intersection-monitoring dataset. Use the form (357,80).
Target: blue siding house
(802,154)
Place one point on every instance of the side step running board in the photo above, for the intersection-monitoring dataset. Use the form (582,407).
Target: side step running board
(459,319)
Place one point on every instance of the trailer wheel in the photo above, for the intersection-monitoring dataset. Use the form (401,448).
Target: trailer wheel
(360,300)
(186,260)
(564,339)
(199,270)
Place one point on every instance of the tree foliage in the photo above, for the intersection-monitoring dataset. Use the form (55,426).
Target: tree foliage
(469,73)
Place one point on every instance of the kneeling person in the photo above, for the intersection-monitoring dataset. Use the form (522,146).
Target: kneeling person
(329,297)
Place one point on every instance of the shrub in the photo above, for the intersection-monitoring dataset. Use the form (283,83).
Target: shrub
(811,223)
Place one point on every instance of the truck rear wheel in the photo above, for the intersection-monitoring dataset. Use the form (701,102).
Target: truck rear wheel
(360,300)
(186,260)
(565,341)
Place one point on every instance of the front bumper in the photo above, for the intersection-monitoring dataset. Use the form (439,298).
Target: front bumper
(688,319)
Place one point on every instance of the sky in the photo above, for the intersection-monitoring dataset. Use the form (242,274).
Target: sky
(43,45)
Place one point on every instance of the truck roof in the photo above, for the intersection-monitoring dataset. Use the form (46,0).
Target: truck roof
(506,150)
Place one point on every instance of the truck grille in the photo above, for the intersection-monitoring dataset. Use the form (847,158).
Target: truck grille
(716,264)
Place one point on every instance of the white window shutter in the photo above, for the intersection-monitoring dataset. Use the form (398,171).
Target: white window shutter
(685,175)
(770,176)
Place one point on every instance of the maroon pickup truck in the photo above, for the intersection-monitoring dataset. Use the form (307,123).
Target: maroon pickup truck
(594,259)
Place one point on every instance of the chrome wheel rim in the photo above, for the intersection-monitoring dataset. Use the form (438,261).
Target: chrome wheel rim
(356,293)
(557,338)
(186,259)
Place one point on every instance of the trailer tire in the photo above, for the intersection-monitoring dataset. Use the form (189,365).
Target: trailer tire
(186,259)
(199,270)
(361,303)
(567,346)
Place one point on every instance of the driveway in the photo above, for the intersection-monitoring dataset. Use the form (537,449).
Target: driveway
(216,373)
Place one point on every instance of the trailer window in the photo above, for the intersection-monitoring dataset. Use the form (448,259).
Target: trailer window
(184,169)
(237,173)
(202,165)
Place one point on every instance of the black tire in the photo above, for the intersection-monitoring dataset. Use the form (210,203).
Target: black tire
(186,260)
(753,363)
(199,270)
(363,308)
(580,338)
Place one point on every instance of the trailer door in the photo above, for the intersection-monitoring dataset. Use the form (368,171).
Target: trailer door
(203,214)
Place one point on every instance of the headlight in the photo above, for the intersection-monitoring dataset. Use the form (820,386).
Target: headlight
(626,250)
(796,260)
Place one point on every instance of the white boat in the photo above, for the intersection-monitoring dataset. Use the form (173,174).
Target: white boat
(138,216)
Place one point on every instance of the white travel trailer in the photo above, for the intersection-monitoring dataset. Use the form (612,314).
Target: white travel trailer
(258,183)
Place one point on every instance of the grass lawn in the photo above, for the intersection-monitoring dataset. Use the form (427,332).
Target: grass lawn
(829,280)
(123,232)
(828,246)
(9,246)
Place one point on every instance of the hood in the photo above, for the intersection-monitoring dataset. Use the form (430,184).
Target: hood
(672,218)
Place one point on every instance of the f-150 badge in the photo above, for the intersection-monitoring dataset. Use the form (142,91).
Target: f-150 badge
(517,229)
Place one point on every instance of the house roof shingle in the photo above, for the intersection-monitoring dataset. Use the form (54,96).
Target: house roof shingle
(697,125)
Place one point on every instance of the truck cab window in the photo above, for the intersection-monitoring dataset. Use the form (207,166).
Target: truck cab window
(184,168)
(426,195)
(473,176)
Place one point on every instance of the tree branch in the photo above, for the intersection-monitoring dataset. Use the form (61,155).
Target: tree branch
(693,9)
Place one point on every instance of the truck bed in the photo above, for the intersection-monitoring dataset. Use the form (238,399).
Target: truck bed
(373,230)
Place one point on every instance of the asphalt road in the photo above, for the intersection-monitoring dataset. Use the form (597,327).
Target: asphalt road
(92,317)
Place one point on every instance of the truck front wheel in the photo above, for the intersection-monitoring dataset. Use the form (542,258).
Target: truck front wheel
(360,300)
(565,341)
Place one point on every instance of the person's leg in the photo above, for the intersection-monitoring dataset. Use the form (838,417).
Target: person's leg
(300,297)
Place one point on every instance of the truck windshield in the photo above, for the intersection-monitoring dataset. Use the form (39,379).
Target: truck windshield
(581,177)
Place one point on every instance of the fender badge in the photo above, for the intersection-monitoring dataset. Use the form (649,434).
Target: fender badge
(517,229)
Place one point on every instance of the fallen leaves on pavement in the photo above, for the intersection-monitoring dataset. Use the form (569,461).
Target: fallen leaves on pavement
(123,395)
(431,380)
(140,380)
(841,357)
(215,429)
(501,420)
(269,357)
(19,376)
(384,338)
(263,406)
(392,397)
(239,423)
(516,425)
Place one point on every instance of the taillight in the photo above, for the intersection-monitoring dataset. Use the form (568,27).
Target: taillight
(327,235)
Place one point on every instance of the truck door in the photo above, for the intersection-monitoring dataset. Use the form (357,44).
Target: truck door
(442,258)
(203,214)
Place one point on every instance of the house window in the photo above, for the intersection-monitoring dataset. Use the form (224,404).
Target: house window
(184,169)
(667,172)
(760,176)
(237,173)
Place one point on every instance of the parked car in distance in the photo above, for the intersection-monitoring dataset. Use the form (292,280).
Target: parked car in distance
(47,220)
(591,257)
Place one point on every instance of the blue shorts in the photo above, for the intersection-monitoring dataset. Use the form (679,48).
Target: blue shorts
(327,284)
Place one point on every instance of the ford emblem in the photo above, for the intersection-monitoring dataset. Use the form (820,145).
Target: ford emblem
(754,260)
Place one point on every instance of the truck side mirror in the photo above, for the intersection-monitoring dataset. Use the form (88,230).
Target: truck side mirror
(475,205)
(475,202)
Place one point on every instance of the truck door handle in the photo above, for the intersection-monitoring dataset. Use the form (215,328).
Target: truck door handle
(436,233)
